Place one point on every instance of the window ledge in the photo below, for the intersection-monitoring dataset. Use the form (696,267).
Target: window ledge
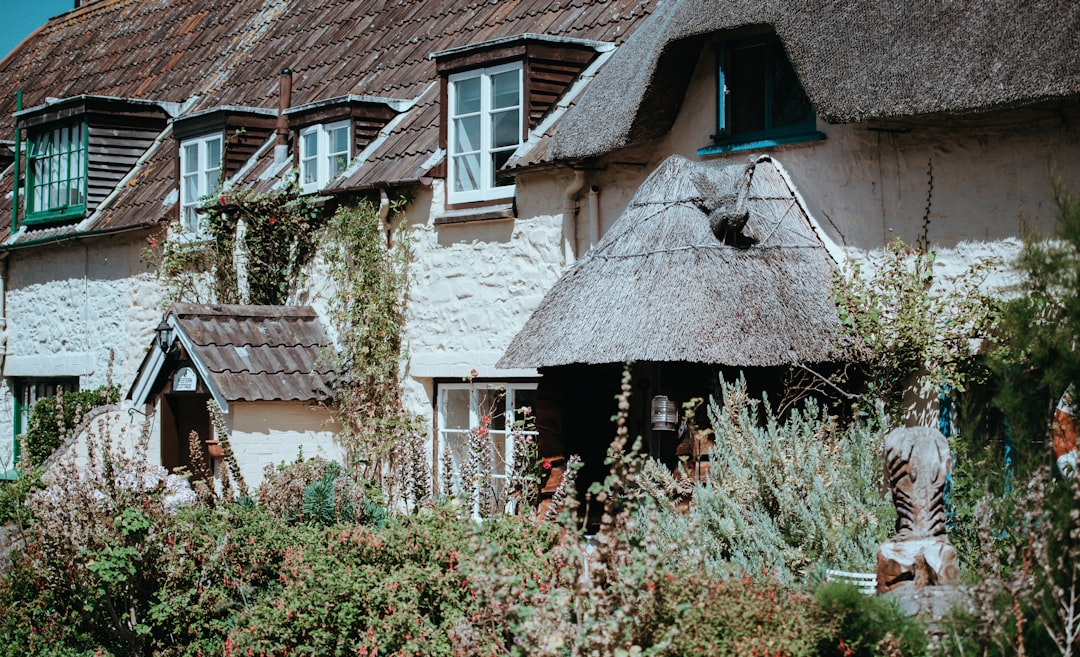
(763,142)
(464,215)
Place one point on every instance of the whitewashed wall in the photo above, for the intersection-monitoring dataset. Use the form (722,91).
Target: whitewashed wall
(269,433)
(72,304)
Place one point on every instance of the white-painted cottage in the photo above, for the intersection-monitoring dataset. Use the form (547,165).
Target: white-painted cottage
(521,131)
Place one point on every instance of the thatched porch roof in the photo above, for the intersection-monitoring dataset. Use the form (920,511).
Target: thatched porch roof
(662,286)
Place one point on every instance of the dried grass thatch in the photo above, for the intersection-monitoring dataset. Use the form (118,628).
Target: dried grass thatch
(662,286)
(858,61)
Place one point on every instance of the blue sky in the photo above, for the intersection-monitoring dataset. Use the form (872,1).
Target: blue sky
(18,18)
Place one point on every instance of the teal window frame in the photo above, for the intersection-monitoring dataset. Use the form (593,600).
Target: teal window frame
(726,138)
(51,168)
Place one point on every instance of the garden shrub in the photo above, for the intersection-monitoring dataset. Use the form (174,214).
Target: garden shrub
(320,491)
(786,493)
(398,589)
(53,419)
(866,626)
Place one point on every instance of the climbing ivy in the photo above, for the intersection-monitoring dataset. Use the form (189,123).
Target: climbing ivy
(258,246)
(914,324)
(368,311)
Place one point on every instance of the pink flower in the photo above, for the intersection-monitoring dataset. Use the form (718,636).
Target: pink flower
(473,373)
(482,432)
(485,420)
(272,220)
(525,410)
(547,463)
(152,242)
(222,201)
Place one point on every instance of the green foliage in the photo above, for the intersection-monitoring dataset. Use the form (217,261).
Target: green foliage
(784,494)
(322,492)
(913,323)
(865,626)
(52,419)
(277,239)
(1038,358)
(368,311)
(13,495)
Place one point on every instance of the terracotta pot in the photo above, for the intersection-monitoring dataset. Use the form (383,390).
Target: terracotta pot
(215,449)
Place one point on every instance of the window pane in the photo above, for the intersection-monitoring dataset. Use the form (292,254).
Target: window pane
(307,172)
(790,105)
(467,172)
(492,403)
(455,410)
(505,90)
(745,80)
(309,145)
(466,134)
(339,140)
(337,165)
(191,158)
(505,129)
(467,96)
(213,153)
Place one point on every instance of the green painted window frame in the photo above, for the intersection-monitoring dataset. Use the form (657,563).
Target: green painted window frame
(41,155)
(726,139)
(27,392)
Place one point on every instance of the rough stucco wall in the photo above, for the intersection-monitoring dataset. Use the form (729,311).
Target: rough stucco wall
(269,433)
(865,185)
(70,305)
(474,284)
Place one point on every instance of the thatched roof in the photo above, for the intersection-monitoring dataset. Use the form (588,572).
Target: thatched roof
(858,61)
(662,286)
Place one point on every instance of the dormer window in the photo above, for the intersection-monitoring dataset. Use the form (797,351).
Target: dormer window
(485,128)
(78,149)
(56,173)
(493,93)
(760,102)
(324,153)
(200,176)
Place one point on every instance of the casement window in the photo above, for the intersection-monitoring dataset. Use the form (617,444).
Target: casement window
(760,101)
(200,176)
(56,173)
(484,127)
(324,153)
(463,409)
(27,393)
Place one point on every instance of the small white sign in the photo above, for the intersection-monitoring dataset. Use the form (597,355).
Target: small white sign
(184,380)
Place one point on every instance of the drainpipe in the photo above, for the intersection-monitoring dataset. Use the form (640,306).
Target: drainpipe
(384,213)
(281,145)
(15,179)
(594,215)
(569,208)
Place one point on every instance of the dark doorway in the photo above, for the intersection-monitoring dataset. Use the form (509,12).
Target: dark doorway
(182,413)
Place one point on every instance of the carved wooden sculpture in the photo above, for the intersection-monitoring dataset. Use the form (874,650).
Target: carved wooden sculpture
(917,461)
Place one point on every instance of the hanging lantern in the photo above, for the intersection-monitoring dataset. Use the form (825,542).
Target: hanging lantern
(664,417)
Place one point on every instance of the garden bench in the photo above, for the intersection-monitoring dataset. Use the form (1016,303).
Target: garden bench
(866,582)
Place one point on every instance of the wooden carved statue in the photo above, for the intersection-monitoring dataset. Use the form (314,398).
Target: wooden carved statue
(917,461)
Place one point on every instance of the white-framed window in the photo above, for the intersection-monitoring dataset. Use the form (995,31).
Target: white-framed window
(56,175)
(485,119)
(200,175)
(324,153)
(495,406)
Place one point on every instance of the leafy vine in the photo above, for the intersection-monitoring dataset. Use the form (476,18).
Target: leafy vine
(261,239)
(913,324)
(368,310)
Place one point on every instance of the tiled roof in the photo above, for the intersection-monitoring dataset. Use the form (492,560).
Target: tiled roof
(258,353)
(201,54)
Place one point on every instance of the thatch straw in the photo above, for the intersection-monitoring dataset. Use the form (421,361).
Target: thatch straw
(858,61)
(662,286)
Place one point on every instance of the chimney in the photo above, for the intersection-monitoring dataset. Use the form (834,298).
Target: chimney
(281,146)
